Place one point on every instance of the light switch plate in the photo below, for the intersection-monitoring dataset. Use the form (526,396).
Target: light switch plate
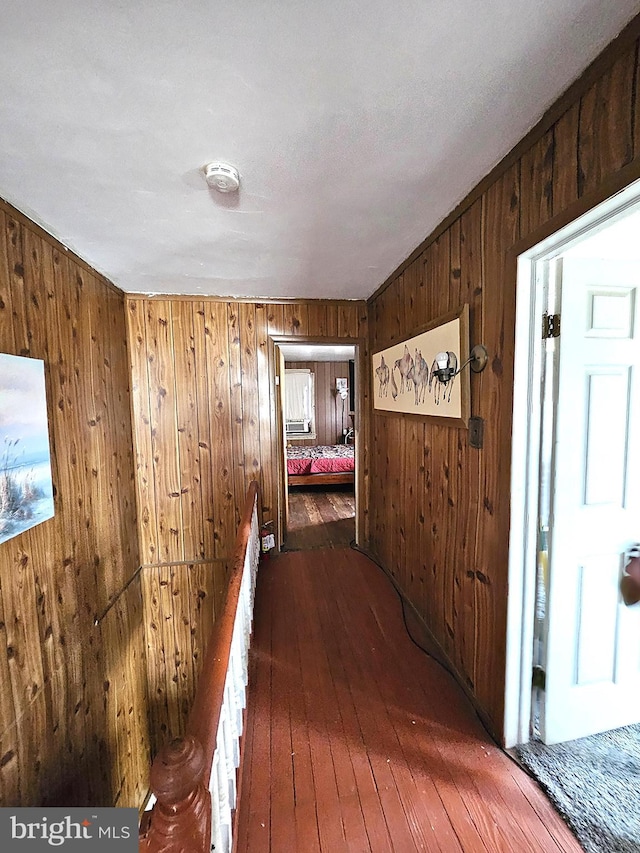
(476,432)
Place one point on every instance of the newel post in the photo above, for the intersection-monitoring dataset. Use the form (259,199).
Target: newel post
(181,818)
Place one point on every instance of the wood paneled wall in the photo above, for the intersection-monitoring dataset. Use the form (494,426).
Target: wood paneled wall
(73,705)
(205,414)
(440,509)
(331,415)
(181,603)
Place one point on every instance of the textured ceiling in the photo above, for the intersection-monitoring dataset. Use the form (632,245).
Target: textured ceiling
(356,127)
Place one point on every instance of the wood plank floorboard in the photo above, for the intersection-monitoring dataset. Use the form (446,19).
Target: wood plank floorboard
(320,517)
(358,741)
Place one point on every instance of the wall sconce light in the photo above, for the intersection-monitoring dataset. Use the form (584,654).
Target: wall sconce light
(445,366)
(342,389)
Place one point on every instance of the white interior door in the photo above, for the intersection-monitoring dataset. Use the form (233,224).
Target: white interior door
(593,640)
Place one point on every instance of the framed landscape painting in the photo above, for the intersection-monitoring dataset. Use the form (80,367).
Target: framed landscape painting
(405,376)
(26,492)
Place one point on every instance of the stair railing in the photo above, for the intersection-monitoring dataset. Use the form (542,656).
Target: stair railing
(194,778)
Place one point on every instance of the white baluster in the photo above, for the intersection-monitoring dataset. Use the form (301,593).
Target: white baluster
(242,664)
(223,780)
(223,786)
(236,686)
(214,787)
(233,742)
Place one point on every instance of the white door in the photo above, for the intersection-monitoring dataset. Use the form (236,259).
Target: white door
(593,640)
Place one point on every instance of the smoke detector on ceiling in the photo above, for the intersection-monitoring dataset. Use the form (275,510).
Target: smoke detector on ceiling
(222,177)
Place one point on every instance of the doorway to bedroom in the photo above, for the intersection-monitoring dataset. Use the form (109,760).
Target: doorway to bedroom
(318,416)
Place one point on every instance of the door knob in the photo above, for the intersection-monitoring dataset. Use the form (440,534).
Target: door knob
(630,581)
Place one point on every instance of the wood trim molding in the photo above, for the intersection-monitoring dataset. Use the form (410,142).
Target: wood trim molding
(251,300)
(609,187)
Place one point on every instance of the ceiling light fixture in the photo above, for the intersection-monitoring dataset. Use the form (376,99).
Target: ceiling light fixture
(222,177)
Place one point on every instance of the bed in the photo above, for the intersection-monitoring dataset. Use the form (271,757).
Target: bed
(311,466)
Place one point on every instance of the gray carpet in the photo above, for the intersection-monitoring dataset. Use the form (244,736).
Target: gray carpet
(595,783)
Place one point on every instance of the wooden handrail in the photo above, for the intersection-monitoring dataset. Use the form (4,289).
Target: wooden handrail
(181,819)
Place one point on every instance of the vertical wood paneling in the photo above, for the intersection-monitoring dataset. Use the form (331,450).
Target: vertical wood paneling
(605,136)
(317,313)
(275,319)
(164,431)
(121,466)
(408,509)
(201,368)
(430,282)
(15,266)
(179,603)
(296,319)
(68,437)
(103,494)
(396,310)
(205,449)
(24,653)
(250,396)
(237,413)
(537,183)
(141,405)
(414,291)
(218,403)
(565,159)
(332,321)
(6,305)
(453,565)
(67,736)
(26,758)
(363,425)
(472,224)
(188,429)
(347,319)
(126,718)
(442,272)
(494,397)
(267,409)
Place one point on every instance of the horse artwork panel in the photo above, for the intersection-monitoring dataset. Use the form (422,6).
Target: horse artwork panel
(404,366)
(382,372)
(420,377)
(409,369)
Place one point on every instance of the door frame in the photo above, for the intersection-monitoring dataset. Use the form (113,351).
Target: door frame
(525,450)
(360,374)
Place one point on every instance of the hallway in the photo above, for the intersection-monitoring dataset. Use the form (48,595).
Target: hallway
(357,741)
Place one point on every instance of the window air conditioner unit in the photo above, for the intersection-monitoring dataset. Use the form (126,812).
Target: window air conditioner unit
(297,426)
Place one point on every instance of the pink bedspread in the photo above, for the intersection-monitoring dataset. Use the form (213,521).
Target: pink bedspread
(320,459)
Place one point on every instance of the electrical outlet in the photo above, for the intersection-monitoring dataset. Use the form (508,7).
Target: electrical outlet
(476,432)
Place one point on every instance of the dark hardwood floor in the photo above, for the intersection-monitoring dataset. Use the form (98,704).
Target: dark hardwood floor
(320,517)
(358,741)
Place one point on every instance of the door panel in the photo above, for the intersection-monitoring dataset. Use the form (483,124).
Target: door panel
(606,434)
(593,639)
(596,601)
